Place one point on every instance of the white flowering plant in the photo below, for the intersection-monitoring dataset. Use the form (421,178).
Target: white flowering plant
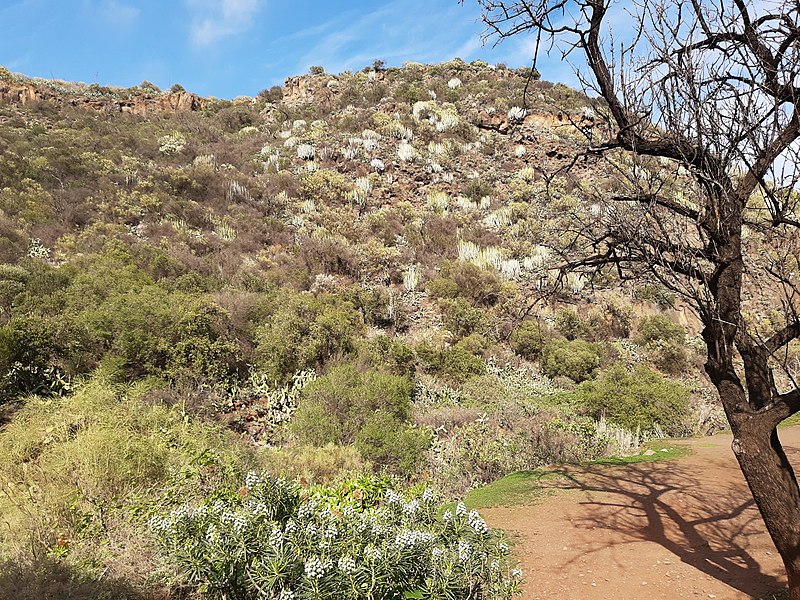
(274,539)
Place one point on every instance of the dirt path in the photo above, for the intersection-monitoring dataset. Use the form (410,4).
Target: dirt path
(684,528)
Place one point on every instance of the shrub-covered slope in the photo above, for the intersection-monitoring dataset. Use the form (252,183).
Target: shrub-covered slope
(352,274)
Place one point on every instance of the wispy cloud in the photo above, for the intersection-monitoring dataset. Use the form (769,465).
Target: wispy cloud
(214,20)
(393,33)
(117,13)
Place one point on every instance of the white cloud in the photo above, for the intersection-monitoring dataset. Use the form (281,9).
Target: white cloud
(394,32)
(214,20)
(117,13)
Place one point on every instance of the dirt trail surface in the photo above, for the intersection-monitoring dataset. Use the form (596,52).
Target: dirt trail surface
(683,528)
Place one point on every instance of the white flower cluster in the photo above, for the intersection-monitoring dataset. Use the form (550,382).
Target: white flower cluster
(212,535)
(335,544)
(306,151)
(393,497)
(235,521)
(160,524)
(259,509)
(410,508)
(275,537)
(410,538)
(517,114)
(171,143)
(464,550)
(406,152)
(477,522)
(38,250)
(347,565)
(315,568)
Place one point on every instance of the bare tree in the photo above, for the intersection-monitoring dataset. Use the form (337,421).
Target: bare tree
(701,105)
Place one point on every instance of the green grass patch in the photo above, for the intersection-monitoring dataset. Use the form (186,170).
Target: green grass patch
(791,421)
(661,450)
(528,487)
(522,487)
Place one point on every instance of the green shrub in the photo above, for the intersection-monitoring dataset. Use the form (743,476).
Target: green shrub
(391,354)
(303,331)
(158,332)
(77,470)
(576,359)
(660,329)
(442,287)
(664,340)
(266,540)
(461,279)
(669,357)
(457,364)
(395,446)
(529,339)
(370,409)
(27,349)
(460,317)
(635,399)
(571,326)
(657,294)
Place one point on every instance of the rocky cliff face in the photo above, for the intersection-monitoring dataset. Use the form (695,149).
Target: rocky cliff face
(142,105)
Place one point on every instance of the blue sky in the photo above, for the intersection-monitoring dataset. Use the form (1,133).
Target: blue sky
(227,48)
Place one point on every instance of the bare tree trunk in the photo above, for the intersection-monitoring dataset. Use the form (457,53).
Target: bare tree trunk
(774,487)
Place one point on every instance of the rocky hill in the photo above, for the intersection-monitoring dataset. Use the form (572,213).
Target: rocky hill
(347,275)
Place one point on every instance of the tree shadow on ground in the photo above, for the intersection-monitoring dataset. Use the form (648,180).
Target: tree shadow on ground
(709,521)
(52,579)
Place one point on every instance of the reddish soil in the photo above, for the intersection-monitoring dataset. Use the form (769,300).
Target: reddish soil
(683,528)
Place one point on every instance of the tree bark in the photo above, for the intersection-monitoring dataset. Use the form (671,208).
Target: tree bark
(773,484)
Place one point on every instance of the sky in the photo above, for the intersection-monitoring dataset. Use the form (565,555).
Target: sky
(229,48)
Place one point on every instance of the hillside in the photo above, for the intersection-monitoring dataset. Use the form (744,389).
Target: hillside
(354,275)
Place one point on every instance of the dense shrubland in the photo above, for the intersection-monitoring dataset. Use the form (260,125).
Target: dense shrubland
(361,292)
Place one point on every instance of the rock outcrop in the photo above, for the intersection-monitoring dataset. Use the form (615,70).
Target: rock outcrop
(12,92)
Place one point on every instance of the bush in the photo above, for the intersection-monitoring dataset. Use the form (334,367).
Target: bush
(576,359)
(392,354)
(483,450)
(27,347)
(395,446)
(640,399)
(457,364)
(460,317)
(156,332)
(76,471)
(529,339)
(370,409)
(266,539)
(571,326)
(660,329)
(462,279)
(304,331)
(318,464)
(664,340)
(669,357)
